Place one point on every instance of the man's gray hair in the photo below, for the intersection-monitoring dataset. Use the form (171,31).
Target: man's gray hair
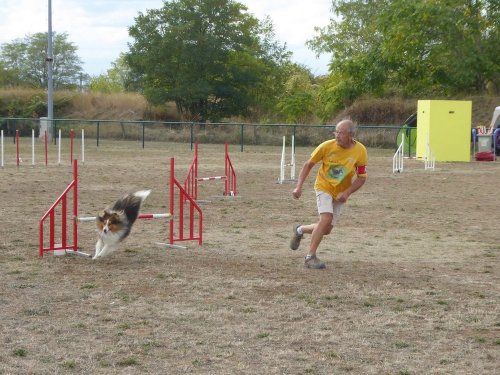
(352,126)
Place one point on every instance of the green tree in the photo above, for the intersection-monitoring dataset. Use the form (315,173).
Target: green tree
(415,47)
(297,101)
(118,78)
(207,56)
(275,70)
(26,61)
(446,49)
(6,76)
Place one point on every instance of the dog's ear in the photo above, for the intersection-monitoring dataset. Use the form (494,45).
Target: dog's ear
(99,220)
(102,215)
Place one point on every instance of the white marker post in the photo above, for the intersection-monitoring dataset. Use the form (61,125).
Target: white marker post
(83,146)
(33,147)
(59,149)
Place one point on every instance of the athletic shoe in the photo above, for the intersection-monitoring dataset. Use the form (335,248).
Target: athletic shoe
(295,241)
(311,261)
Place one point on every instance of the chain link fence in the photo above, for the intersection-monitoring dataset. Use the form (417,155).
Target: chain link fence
(377,136)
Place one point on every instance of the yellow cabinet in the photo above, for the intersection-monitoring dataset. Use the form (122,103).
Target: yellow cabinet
(446,126)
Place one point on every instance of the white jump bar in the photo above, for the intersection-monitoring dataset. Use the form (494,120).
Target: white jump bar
(141,216)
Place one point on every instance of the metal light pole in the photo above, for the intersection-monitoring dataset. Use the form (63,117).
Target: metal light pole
(50,83)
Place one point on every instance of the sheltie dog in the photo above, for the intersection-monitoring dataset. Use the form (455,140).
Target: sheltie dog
(115,222)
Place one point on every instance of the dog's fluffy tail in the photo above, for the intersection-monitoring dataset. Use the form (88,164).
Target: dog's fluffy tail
(131,204)
(143,194)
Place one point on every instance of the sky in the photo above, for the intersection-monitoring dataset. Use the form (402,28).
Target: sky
(99,28)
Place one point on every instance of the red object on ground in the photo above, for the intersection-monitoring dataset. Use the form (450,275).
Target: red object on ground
(485,156)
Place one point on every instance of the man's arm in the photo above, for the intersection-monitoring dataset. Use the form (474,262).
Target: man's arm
(304,172)
(356,185)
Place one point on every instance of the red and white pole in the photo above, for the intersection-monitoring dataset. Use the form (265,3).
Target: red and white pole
(171,240)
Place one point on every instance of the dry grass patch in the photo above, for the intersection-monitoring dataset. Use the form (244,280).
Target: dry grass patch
(412,284)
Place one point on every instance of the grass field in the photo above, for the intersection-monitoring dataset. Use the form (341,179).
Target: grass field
(412,284)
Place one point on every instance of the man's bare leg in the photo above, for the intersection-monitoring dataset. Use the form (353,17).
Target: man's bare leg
(318,230)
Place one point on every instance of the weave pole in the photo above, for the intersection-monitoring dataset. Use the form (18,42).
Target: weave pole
(32,147)
(397,159)
(430,159)
(18,158)
(46,148)
(71,138)
(71,146)
(283,163)
(83,146)
(59,149)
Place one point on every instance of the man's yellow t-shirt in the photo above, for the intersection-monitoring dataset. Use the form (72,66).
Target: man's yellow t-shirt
(339,166)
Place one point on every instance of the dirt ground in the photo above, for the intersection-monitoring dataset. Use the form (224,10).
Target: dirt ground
(412,284)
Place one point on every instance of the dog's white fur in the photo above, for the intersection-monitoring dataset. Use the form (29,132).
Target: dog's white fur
(115,223)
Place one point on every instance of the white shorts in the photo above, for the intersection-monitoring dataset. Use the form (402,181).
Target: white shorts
(326,204)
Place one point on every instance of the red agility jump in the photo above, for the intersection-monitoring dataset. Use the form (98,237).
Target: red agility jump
(63,222)
(192,179)
(192,209)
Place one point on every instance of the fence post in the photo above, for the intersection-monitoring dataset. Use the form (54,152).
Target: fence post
(241,137)
(53,125)
(97,133)
(143,126)
(408,131)
(1,148)
(191,124)
(8,127)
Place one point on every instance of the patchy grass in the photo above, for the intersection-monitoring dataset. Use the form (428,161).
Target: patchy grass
(411,284)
